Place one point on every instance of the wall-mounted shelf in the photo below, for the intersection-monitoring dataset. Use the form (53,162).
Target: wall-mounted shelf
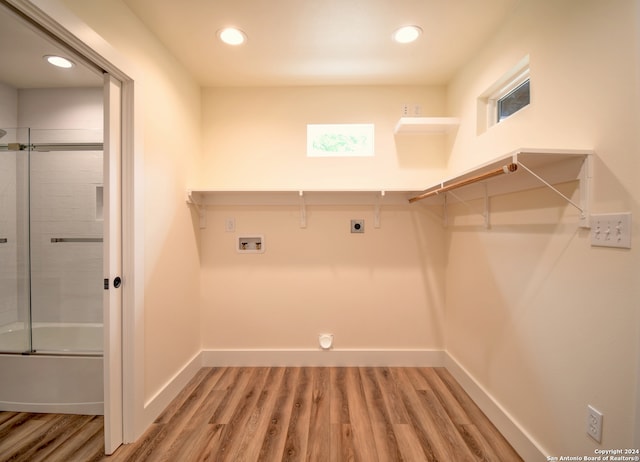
(426,124)
(518,171)
(201,198)
(293,196)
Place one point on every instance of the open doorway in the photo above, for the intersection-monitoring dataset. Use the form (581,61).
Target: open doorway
(60,232)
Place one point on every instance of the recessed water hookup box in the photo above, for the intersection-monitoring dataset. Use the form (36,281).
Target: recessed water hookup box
(250,244)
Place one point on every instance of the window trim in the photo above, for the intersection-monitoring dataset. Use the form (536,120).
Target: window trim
(493,117)
(487,101)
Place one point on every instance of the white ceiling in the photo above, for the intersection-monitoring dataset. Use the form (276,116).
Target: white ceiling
(22,65)
(290,42)
(322,42)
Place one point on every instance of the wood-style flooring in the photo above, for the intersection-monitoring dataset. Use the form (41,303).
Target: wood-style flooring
(268,414)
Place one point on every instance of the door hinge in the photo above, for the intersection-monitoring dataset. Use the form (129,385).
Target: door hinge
(106,284)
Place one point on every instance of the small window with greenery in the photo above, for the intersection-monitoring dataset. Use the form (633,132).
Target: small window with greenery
(340,140)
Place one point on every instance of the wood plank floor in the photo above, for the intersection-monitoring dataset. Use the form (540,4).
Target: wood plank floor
(283,414)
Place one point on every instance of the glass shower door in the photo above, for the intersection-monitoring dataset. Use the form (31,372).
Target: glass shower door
(66,241)
(15,332)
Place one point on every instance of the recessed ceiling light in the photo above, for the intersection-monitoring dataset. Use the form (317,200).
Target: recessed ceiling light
(59,61)
(232,36)
(407,34)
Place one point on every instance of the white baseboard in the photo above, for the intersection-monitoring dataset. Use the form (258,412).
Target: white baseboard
(336,358)
(159,402)
(521,441)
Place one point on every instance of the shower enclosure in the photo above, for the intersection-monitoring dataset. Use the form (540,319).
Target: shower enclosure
(51,271)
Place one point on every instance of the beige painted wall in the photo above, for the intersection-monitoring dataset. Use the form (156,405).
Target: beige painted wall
(375,290)
(256,138)
(172,143)
(372,290)
(546,323)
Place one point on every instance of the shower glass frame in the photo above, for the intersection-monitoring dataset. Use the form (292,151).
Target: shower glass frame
(15,258)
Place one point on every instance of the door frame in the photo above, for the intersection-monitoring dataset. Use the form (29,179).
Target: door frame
(55,18)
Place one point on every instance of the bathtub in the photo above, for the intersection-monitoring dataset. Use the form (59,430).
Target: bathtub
(64,376)
(85,339)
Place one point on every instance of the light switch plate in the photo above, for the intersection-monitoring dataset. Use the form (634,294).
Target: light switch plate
(611,230)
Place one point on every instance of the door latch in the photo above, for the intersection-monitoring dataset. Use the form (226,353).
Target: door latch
(117,282)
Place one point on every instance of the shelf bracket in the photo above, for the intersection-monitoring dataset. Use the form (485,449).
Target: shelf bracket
(487,216)
(586,183)
(485,213)
(303,210)
(200,209)
(376,210)
(445,215)
(584,179)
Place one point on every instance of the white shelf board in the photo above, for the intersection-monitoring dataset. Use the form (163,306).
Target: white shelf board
(426,124)
(297,196)
(554,166)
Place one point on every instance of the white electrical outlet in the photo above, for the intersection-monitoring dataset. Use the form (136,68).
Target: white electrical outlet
(230,225)
(411,110)
(611,230)
(594,423)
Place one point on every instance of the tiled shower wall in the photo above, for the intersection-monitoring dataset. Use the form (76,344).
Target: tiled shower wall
(8,217)
(66,277)
(8,232)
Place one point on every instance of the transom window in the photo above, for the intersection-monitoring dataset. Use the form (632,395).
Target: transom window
(514,100)
(340,140)
(508,95)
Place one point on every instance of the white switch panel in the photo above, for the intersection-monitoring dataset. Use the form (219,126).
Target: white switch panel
(611,230)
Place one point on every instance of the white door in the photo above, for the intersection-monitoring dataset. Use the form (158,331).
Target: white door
(112,265)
